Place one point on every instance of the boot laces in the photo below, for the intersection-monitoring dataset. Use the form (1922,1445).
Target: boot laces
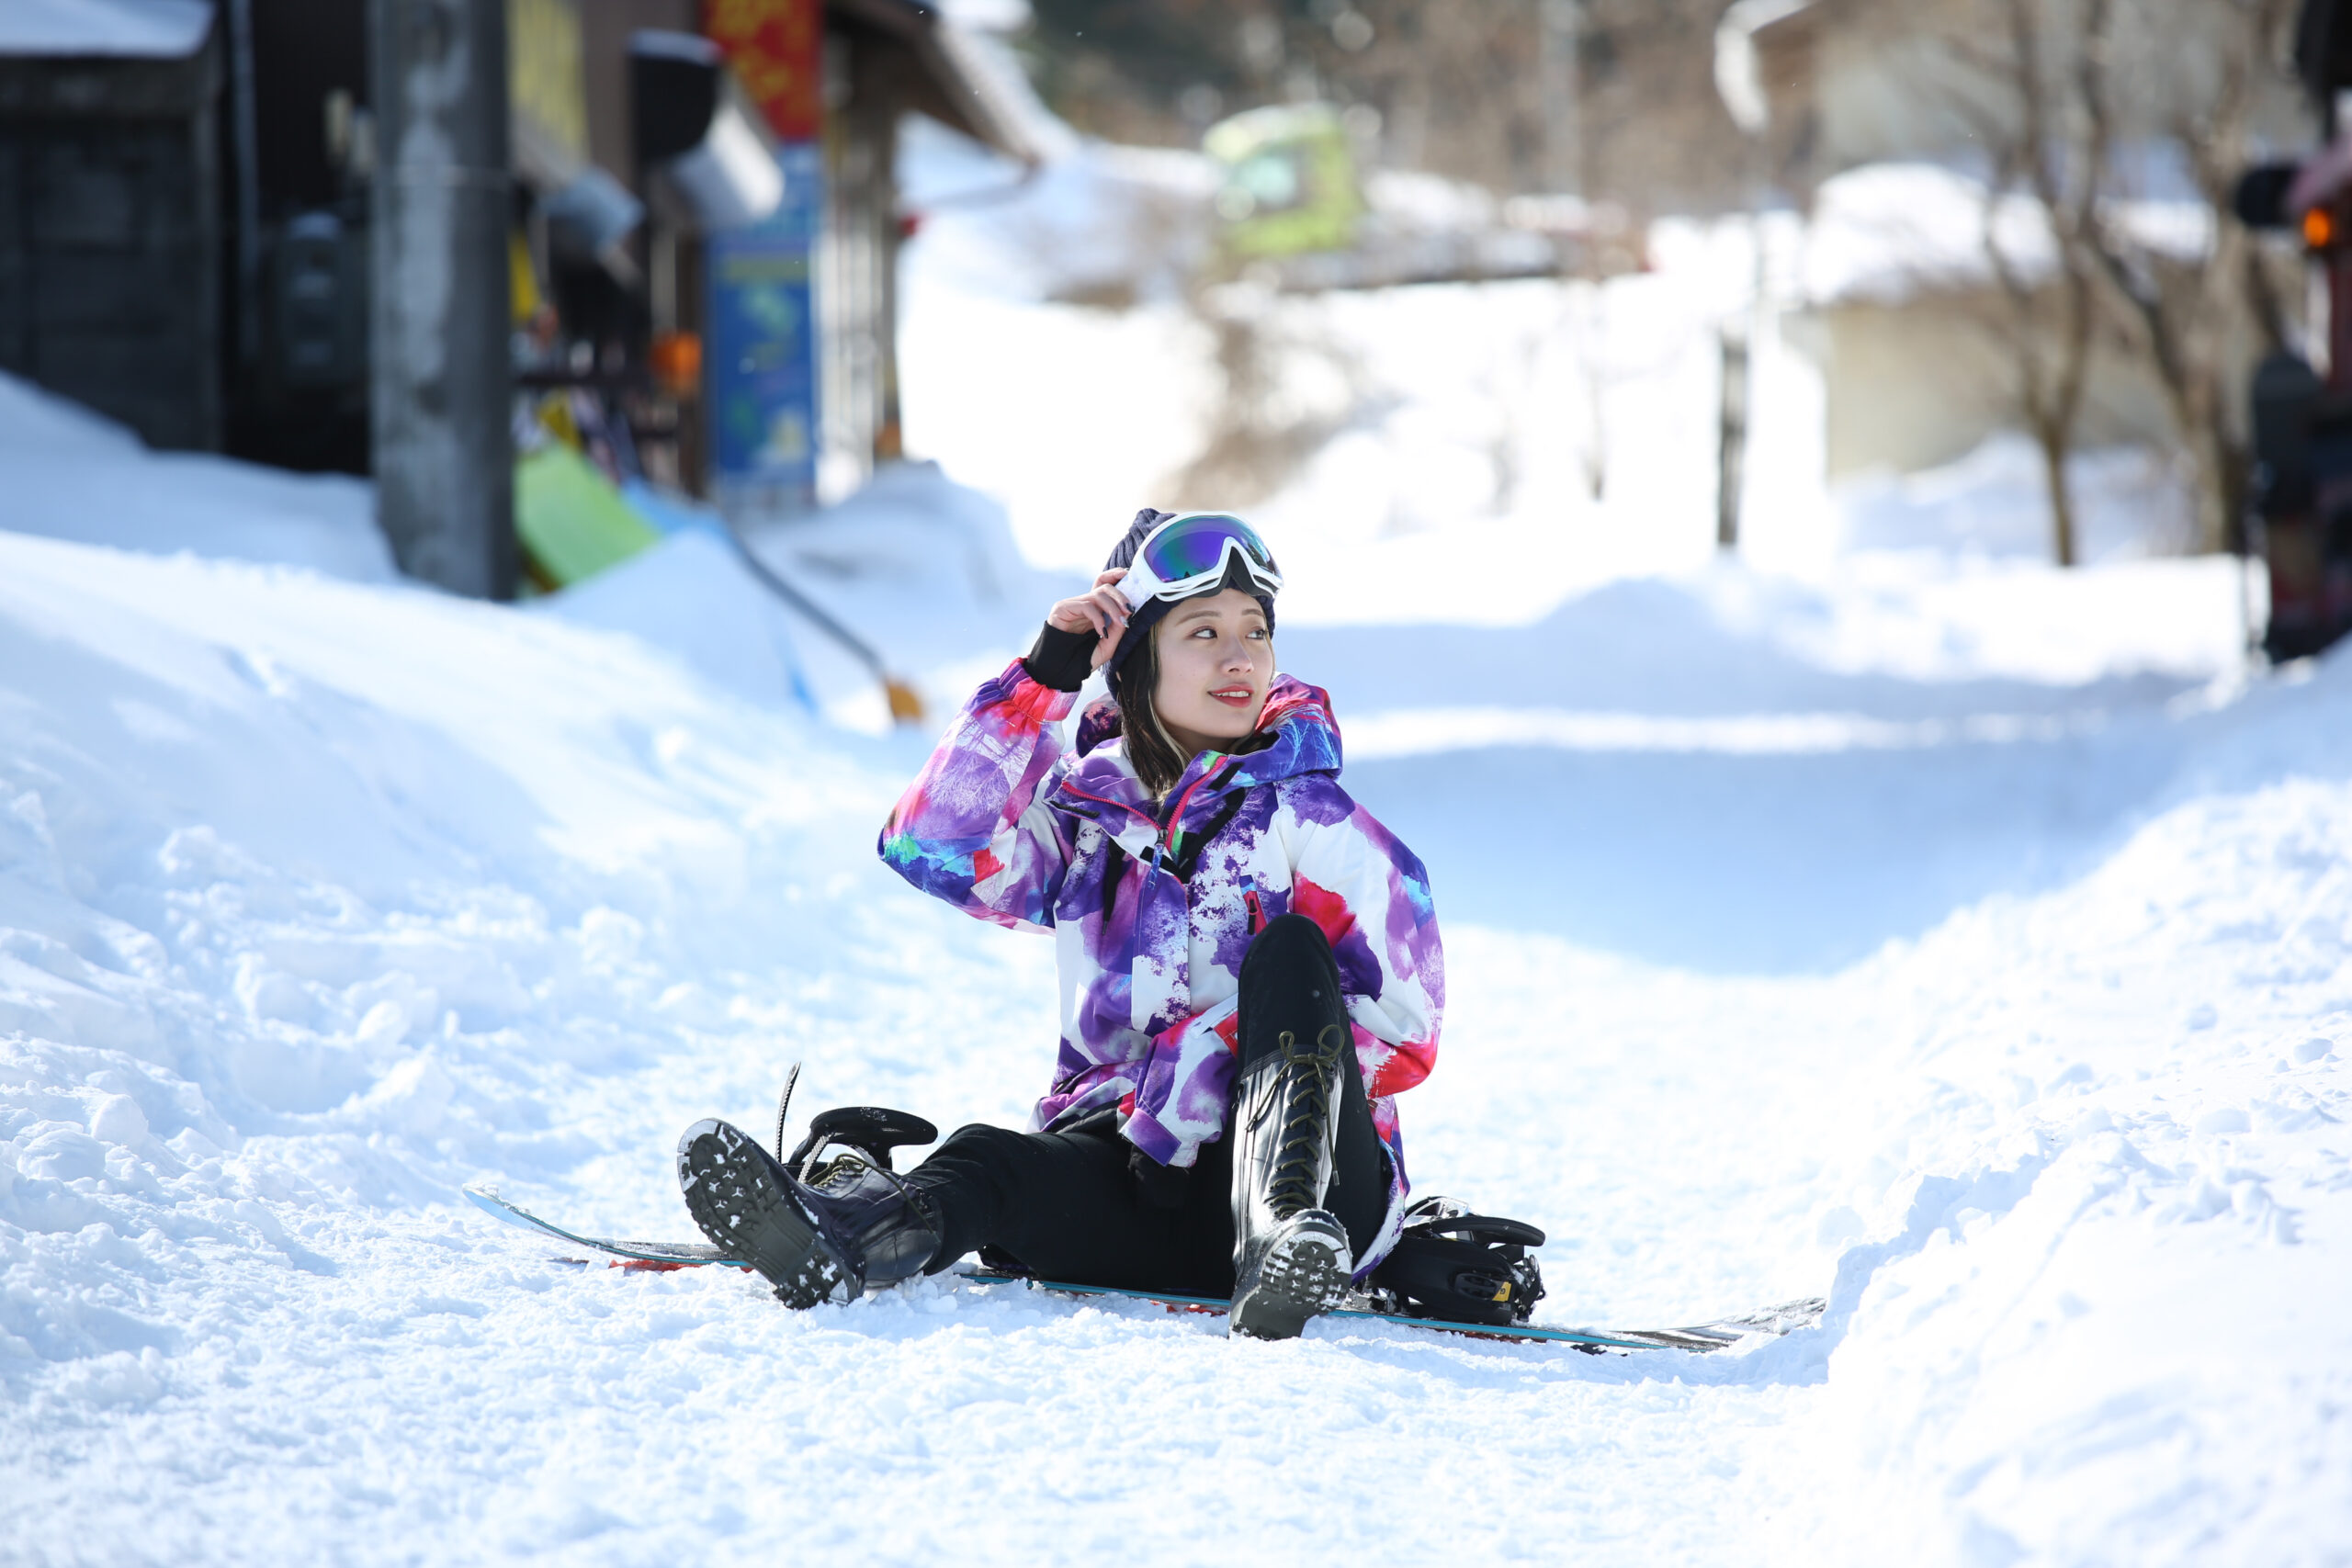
(1303,1090)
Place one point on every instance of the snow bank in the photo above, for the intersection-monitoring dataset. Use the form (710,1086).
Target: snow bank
(919,568)
(2104,1329)
(924,568)
(68,473)
(1995,501)
(690,597)
(1740,763)
(73,474)
(317,900)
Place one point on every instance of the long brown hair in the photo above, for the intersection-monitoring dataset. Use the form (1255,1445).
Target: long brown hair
(1157,763)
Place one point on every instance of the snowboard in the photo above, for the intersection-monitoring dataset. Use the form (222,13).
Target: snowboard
(649,1254)
(1699,1339)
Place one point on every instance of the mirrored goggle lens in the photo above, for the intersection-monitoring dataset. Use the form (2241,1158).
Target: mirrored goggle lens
(1194,546)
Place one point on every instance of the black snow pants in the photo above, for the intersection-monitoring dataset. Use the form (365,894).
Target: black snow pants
(1085,1206)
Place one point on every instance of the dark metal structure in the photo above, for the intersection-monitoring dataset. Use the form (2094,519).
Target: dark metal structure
(2302,510)
(441,381)
(110,232)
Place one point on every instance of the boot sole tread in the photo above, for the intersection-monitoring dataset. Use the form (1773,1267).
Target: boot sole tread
(738,1206)
(1300,1277)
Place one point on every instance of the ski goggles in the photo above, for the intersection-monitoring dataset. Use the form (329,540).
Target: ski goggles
(1188,554)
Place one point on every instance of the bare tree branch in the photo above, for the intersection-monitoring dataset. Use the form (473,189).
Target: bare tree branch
(2181,308)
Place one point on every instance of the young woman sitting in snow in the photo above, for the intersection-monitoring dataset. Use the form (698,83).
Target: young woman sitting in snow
(1250,971)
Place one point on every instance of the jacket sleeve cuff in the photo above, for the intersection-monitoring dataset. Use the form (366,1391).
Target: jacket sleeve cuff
(1061,660)
(1159,1144)
(1019,703)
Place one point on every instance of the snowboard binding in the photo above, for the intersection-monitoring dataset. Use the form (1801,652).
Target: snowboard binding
(865,1133)
(1452,1265)
(818,1224)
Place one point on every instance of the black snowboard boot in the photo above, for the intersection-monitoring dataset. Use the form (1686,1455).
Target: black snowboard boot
(860,1226)
(1291,1256)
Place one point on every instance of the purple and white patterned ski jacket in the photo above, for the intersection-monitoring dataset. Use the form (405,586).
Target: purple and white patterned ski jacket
(1008,826)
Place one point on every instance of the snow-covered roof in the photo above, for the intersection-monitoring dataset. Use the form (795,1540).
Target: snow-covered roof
(1004,17)
(968,80)
(997,100)
(154,29)
(1887,232)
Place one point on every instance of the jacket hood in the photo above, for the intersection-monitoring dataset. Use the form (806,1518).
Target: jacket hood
(1305,739)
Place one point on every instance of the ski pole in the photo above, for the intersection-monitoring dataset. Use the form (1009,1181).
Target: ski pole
(906,708)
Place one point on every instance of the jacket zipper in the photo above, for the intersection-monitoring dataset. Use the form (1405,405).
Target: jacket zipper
(1165,837)
(1169,834)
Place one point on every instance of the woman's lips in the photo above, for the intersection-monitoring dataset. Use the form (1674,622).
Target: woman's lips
(1234,696)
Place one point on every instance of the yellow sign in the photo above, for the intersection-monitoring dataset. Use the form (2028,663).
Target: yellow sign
(543,76)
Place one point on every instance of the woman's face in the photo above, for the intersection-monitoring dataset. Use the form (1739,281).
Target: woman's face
(1216,664)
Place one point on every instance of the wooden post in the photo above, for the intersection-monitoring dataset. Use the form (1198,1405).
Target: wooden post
(1731,433)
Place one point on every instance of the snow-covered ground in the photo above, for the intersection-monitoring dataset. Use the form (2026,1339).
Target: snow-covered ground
(1966,941)
(70,474)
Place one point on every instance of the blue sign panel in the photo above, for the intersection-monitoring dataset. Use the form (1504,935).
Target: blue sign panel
(761,361)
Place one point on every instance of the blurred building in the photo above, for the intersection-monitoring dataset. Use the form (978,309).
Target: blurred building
(1899,308)
(112,263)
(183,213)
(1886,126)
(1855,82)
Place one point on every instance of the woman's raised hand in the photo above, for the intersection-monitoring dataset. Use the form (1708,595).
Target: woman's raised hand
(1102,608)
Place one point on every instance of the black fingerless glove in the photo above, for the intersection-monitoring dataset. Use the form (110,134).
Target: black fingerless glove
(1160,1186)
(1061,660)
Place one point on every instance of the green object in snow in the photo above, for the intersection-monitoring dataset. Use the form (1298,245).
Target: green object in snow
(571,521)
(1289,181)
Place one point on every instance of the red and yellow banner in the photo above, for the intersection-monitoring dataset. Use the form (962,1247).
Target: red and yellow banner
(777,48)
